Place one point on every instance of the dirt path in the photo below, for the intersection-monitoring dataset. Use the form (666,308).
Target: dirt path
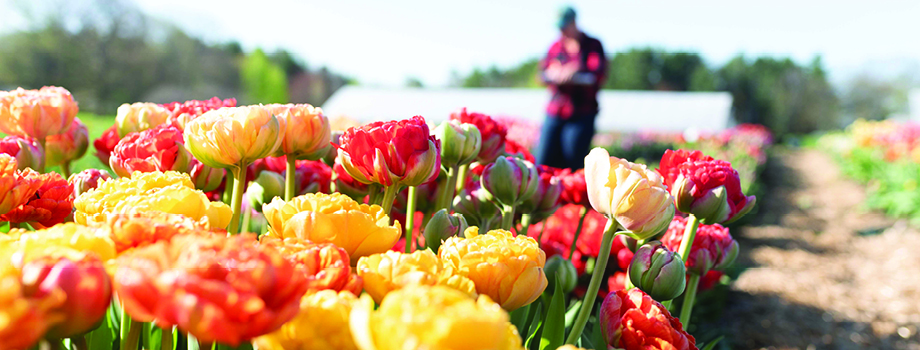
(819,271)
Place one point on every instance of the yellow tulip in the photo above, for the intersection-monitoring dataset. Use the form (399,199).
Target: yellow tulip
(360,229)
(389,271)
(139,116)
(233,137)
(306,132)
(322,323)
(67,240)
(433,318)
(630,193)
(507,268)
(170,192)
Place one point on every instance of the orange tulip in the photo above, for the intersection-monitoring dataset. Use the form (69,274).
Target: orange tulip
(325,265)
(129,231)
(51,204)
(217,288)
(67,146)
(23,319)
(37,113)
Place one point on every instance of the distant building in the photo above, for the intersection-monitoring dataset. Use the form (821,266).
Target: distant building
(913,101)
(620,110)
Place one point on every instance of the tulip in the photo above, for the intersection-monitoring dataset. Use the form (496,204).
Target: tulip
(432,317)
(182,113)
(139,116)
(169,192)
(476,208)
(267,186)
(491,132)
(157,149)
(324,265)
(135,230)
(50,204)
(460,143)
(658,272)
(560,270)
(630,319)
(205,178)
(629,193)
(321,324)
(87,180)
(26,151)
(105,144)
(707,188)
(216,288)
(574,187)
(24,319)
(713,246)
(391,154)
(66,239)
(509,181)
(37,113)
(360,229)
(507,268)
(517,150)
(346,184)
(85,283)
(306,135)
(442,226)
(232,138)
(545,199)
(389,271)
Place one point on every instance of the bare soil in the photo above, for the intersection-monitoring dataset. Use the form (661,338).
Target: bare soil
(818,271)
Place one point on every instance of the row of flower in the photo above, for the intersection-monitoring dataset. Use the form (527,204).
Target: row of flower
(389,235)
(886,156)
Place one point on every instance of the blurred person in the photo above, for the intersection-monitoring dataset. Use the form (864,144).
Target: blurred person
(574,70)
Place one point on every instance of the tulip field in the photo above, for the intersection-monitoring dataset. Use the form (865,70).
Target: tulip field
(204,224)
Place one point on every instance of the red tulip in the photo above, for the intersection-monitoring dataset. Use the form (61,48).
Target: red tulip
(493,133)
(713,246)
(184,112)
(158,149)
(707,188)
(49,206)
(85,283)
(633,320)
(106,143)
(574,187)
(515,149)
(217,288)
(325,265)
(391,153)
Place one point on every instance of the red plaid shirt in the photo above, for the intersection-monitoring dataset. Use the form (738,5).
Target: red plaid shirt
(571,99)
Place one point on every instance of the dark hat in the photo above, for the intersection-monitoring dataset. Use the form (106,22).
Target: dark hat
(566,16)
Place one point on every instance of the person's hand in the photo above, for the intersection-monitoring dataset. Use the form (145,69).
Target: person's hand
(566,72)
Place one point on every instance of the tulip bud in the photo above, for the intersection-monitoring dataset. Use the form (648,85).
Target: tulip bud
(28,153)
(85,283)
(443,225)
(545,199)
(509,180)
(268,185)
(87,180)
(708,188)
(67,146)
(330,156)
(139,116)
(558,267)
(205,178)
(460,143)
(473,204)
(658,272)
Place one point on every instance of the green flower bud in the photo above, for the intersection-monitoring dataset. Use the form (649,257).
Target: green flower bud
(658,272)
(441,226)
(510,180)
(266,187)
(568,276)
(460,143)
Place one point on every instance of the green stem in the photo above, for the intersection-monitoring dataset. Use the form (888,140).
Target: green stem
(410,218)
(247,217)
(540,237)
(47,344)
(41,144)
(507,217)
(525,223)
(130,333)
(65,169)
(239,186)
(389,195)
(374,191)
(666,304)
(461,176)
(446,194)
(228,190)
(581,224)
(485,225)
(79,342)
(689,235)
(689,299)
(595,285)
(166,338)
(290,178)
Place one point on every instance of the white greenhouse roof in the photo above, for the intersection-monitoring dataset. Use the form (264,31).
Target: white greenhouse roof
(620,110)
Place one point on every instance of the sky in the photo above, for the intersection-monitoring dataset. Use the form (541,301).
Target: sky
(385,42)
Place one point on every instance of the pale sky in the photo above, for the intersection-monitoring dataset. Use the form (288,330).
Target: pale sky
(384,42)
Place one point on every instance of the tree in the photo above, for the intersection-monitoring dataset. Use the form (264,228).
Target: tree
(263,81)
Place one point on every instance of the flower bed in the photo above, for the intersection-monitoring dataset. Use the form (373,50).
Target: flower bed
(240,226)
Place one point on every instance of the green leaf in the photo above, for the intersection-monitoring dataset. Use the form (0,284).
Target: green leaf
(193,343)
(534,326)
(154,337)
(554,326)
(102,337)
(713,343)
(519,318)
(572,313)
(597,334)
